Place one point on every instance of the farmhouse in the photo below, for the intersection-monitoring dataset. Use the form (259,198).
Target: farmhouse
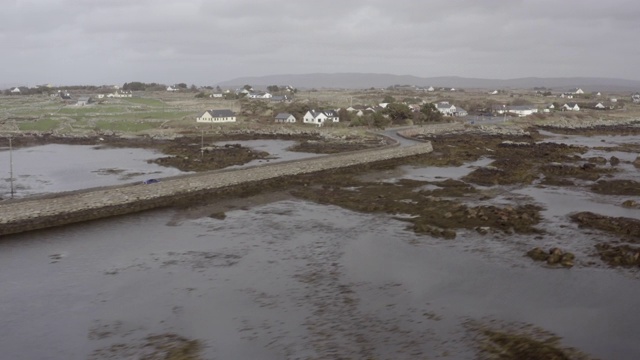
(285,118)
(260,95)
(446,109)
(320,117)
(84,100)
(570,107)
(521,111)
(217,116)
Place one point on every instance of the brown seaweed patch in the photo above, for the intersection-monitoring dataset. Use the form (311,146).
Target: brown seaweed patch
(167,346)
(510,342)
(553,256)
(627,227)
(621,255)
(617,187)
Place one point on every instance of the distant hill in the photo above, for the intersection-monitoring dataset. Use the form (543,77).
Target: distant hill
(364,80)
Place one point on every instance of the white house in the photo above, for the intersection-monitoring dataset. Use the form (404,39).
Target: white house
(578,91)
(259,96)
(636,98)
(571,107)
(15,91)
(522,110)
(120,94)
(494,92)
(217,116)
(216,95)
(171,88)
(84,100)
(320,117)
(431,89)
(446,109)
(599,106)
(285,118)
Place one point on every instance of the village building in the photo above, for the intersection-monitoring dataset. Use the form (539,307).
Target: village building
(570,107)
(446,109)
(320,117)
(216,116)
(84,100)
(285,118)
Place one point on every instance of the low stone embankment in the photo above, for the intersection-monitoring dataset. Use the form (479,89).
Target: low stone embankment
(457,128)
(33,214)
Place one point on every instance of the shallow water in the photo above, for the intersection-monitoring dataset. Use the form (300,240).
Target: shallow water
(294,279)
(285,280)
(57,168)
(277,149)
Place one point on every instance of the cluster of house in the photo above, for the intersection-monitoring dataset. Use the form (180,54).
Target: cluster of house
(117,94)
(526,110)
(315,117)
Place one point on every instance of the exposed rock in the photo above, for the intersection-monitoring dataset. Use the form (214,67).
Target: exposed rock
(630,204)
(616,225)
(555,256)
(622,255)
(614,161)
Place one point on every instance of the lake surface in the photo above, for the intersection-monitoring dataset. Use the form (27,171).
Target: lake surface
(287,279)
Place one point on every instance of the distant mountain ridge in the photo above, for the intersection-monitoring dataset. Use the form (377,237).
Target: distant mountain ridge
(368,80)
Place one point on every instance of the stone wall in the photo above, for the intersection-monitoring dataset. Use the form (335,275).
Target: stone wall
(61,209)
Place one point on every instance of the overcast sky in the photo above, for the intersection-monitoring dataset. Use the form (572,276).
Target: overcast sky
(203,42)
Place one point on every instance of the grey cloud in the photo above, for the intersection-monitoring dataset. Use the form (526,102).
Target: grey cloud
(201,42)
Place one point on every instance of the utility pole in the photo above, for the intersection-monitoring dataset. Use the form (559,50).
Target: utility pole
(202,145)
(11,166)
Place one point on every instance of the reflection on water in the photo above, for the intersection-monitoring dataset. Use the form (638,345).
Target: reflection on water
(277,149)
(294,279)
(288,279)
(57,168)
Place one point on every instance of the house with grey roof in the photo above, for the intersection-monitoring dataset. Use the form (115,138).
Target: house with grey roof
(320,117)
(84,100)
(446,109)
(285,118)
(216,116)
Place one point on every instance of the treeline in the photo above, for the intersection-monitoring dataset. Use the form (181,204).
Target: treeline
(140,86)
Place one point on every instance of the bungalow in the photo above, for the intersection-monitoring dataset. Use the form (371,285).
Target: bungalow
(523,110)
(445,108)
(217,116)
(577,91)
(570,107)
(84,100)
(461,112)
(431,89)
(320,117)
(635,98)
(120,94)
(15,91)
(171,88)
(259,96)
(285,118)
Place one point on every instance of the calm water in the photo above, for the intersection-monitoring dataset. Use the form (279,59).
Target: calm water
(294,279)
(58,168)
